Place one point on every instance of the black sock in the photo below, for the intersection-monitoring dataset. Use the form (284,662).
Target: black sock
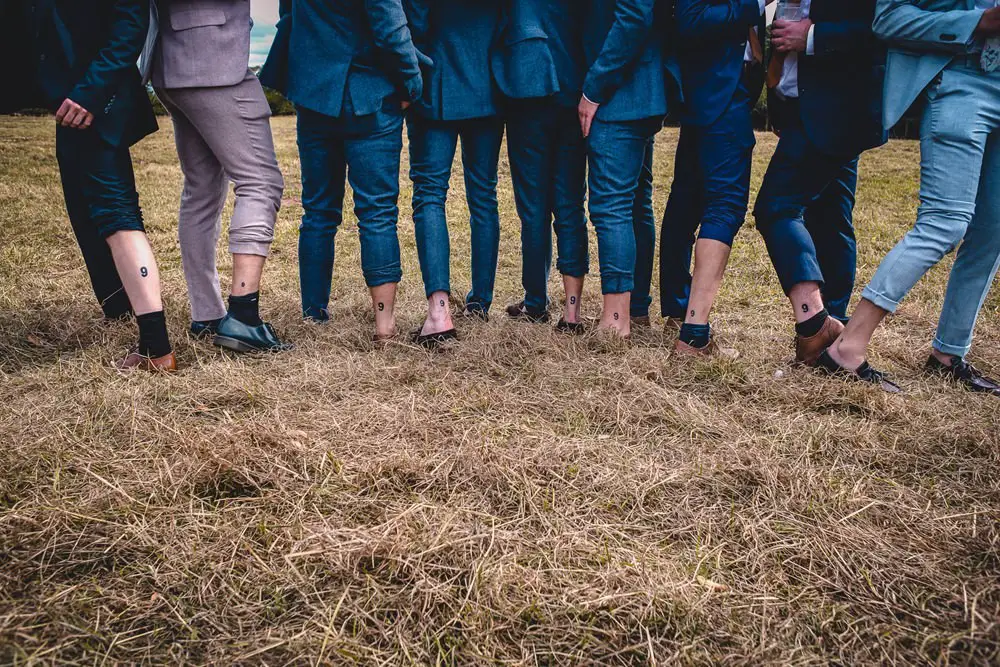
(246,308)
(153,339)
(696,335)
(811,327)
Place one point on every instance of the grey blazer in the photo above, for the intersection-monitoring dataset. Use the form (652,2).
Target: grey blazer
(201,43)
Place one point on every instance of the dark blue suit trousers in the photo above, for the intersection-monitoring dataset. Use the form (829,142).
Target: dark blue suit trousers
(805,211)
(548,168)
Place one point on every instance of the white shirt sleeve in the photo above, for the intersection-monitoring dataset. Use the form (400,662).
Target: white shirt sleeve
(811,41)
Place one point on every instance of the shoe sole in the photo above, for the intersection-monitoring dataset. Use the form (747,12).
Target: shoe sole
(239,346)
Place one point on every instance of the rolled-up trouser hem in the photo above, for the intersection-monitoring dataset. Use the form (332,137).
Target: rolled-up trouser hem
(719,231)
(250,248)
(573,271)
(879,300)
(953,350)
(383,277)
(127,222)
(431,289)
(616,284)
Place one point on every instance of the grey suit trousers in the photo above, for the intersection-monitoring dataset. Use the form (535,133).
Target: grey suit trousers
(223,135)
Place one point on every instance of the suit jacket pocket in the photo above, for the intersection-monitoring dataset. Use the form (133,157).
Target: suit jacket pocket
(196,18)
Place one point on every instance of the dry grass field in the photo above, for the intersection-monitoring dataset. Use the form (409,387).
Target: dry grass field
(523,498)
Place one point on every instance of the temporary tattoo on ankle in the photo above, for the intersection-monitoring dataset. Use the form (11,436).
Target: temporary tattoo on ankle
(615,316)
(572,301)
(143,271)
(441,303)
(805,308)
(692,313)
(381,306)
(243,284)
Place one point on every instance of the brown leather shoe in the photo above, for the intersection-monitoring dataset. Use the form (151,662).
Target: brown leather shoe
(711,350)
(135,361)
(640,321)
(807,350)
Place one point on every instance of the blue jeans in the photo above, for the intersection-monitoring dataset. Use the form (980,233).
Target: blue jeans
(617,153)
(805,212)
(644,226)
(710,196)
(548,168)
(432,152)
(365,151)
(959,204)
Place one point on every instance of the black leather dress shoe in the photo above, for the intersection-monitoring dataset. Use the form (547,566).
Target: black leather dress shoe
(433,341)
(519,311)
(239,337)
(864,373)
(964,374)
(204,329)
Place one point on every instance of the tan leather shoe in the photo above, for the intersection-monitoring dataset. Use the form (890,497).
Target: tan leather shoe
(640,321)
(711,350)
(807,350)
(135,361)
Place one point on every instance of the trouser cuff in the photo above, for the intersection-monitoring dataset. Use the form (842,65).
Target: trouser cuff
(952,350)
(880,300)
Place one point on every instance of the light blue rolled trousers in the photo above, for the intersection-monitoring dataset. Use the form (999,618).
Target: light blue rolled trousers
(959,204)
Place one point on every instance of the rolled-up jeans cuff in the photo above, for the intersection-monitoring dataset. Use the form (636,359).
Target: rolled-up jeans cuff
(880,300)
(616,283)
(383,277)
(257,248)
(953,350)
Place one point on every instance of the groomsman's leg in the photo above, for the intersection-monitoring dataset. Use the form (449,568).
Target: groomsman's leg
(373,170)
(324,174)
(806,223)
(830,221)
(570,194)
(532,148)
(644,225)
(104,277)
(199,223)
(616,152)
(481,142)
(680,222)
(432,152)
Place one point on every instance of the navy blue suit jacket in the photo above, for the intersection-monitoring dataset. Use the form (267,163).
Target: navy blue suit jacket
(458,35)
(840,85)
(540,50)
(712,42)
(349,54)
(624,44)
(87,52)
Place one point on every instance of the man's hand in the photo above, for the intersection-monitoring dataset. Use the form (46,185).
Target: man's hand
(404,105)
(586,111)
(989,25)
(71,114)
(790,36)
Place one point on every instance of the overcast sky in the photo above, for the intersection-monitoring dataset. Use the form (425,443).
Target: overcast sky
(265,10)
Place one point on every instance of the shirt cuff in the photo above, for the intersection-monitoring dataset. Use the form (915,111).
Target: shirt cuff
(811,41)
(591,101)
(763,5)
